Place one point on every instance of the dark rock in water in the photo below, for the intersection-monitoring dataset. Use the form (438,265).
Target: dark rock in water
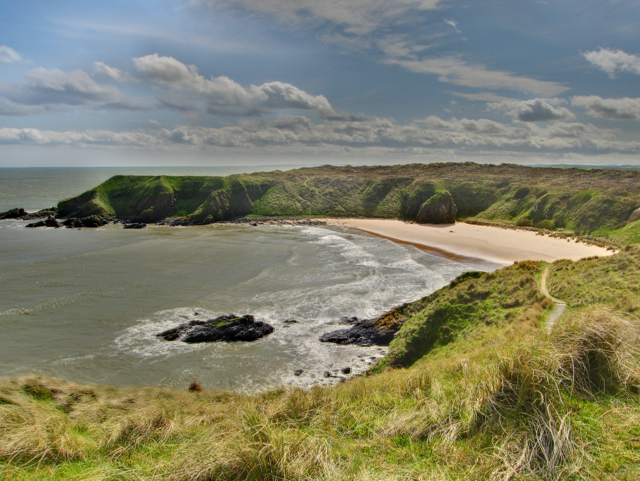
(368,332)
(298,372)
(50,212)
(24,215)
(345,370)
(229,328)
(438,209)
(290,321)
(13,214)
(135,225)
(348,320)
(327,374)
(175,333)
(49,222)
(90,221)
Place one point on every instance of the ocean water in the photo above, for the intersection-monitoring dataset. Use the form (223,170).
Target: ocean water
(85,305)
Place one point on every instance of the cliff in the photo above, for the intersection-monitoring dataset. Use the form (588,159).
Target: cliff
(584,201)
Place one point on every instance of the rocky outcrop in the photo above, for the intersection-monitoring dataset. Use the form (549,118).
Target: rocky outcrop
(13,214)
(48,222)
(134,225)
(21,214)
(89,221)
(438,209)
(635,215)
(369,332)
(230,328)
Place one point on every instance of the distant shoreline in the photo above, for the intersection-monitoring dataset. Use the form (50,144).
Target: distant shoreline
(461,240)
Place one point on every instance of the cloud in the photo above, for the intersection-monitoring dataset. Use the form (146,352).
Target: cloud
(55,90)
(359,17)
(612,61)
(535,110)
(456,71)
(9,55)
(298,134)
(102,69)
(454,24)
(612,109)
(224,96)
(373,26)
(482,96)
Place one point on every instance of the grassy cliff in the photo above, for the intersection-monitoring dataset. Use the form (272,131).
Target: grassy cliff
(584,201)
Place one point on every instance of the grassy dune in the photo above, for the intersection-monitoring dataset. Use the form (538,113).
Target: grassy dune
(582,201)
(486,394)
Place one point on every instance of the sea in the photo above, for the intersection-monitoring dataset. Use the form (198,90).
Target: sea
(85,305)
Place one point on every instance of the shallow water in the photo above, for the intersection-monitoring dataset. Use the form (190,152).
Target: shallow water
(85,305)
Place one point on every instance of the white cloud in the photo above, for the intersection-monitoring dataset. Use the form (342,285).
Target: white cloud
(9,55)
(297,134)
(224,96)
(612,61)
(357,17)
(55,90)
(535,110)
(612,109)
(456,71)
(482,96)
(454,24)
(102,69)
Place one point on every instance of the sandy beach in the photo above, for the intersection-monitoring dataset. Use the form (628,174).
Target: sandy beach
(503,246)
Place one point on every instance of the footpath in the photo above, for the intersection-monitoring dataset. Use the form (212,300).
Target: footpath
(559,306)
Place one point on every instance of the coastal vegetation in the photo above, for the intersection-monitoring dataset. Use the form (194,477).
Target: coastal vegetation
(595,202)
(474,387)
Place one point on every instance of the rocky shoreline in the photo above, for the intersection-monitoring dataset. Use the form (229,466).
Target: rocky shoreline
(51,218)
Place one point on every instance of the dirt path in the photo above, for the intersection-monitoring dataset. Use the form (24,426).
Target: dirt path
(559,306)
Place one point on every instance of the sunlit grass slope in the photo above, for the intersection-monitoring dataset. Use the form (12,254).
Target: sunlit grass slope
(584,201)
(487,394)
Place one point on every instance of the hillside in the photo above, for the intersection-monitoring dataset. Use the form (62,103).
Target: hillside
(600,202)
(486,392)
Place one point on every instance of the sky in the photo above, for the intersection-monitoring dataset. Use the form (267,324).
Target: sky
(250,82)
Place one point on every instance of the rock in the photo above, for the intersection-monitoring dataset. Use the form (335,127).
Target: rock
(298,372)
(50,212)
(134,225)
(327,374)
(90,221)
(49,222)
(230,328)
(379,331)
(348,320)
(346,370)
(438,209)
(290,321)
(635,215)
(13,214)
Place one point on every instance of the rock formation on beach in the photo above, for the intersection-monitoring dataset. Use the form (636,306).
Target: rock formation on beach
(368,332)
(228,328)
(438,209)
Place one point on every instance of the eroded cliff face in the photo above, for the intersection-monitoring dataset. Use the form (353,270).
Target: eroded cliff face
(573,199)
(438,209)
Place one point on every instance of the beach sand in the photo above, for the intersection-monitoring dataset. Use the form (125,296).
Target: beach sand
(502,246)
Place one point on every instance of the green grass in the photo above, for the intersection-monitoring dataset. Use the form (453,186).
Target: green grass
(471,301)
(584,201)
(493,396)
(614,281)
(462,416)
